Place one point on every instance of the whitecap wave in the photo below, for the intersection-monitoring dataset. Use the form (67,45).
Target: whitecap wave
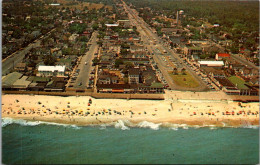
(146,124)
(121,125)
(251,126)
(7,121)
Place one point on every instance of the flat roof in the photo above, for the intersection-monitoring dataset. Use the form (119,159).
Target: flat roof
(238,82)
(23,82)
(52,68)
(211,62)
(11,78)
(111,24)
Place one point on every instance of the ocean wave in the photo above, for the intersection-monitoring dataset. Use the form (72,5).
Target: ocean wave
(122,124)
(7,121)
(146,124)
(251,126)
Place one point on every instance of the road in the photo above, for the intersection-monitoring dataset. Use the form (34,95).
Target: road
(153,42)
(85,69)
(244,61)
(9,62)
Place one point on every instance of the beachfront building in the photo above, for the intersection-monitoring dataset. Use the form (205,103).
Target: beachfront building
(10,79)
(49,71)
(133,76)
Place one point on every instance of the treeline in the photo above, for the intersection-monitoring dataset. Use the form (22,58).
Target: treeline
(230,14)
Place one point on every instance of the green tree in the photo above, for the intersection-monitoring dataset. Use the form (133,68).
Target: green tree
(118,62)
(95,61)
(49,60)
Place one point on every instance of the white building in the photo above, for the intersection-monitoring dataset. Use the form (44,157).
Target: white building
(48,71)
(211,63)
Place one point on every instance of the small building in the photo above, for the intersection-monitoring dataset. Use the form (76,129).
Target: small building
(111,25)
(136,48)
(49,71)
(188,51)
(20,67)
(220,56)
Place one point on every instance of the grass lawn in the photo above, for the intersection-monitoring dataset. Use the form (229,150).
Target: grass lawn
(238,81)
(184,80)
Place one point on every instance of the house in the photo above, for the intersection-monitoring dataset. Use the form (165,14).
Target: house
(194,50)
(124,23)
(48,71)
(171,30)
(220,56)
(20,67)
(133,76)
(136,61)
(209,49)
(213,72)
(135,48)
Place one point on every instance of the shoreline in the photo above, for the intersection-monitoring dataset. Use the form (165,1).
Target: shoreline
(75,110)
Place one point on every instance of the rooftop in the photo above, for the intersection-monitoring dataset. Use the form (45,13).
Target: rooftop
(211,62)
(51,68)
(238,82)
(11,78)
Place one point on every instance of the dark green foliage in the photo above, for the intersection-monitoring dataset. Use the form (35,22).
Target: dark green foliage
(77,28)
(118,62)
(49,60)
(95,61)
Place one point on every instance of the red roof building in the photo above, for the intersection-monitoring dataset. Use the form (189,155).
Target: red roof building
(220,56)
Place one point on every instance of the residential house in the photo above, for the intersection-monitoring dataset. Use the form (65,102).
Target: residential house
(189,51)
(136,48)
(20,67)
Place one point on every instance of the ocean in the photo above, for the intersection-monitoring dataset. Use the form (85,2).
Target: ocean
(49,143)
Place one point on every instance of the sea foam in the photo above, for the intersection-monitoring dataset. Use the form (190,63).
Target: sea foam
(7,121)
(120,124)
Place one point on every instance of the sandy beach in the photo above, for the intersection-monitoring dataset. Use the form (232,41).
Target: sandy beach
(85,110)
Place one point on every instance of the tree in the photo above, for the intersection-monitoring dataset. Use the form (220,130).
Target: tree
(95,26)
(129,65)
(118,62)
(175,71)
(95,61)
(49,60)
(100,43)
(183,71)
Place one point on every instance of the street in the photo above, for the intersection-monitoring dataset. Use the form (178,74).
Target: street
(85,65)
(153,44)
(9,62)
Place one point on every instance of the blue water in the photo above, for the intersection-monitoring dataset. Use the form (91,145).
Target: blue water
(53,144)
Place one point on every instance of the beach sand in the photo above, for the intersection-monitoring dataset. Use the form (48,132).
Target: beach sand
(76,110)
